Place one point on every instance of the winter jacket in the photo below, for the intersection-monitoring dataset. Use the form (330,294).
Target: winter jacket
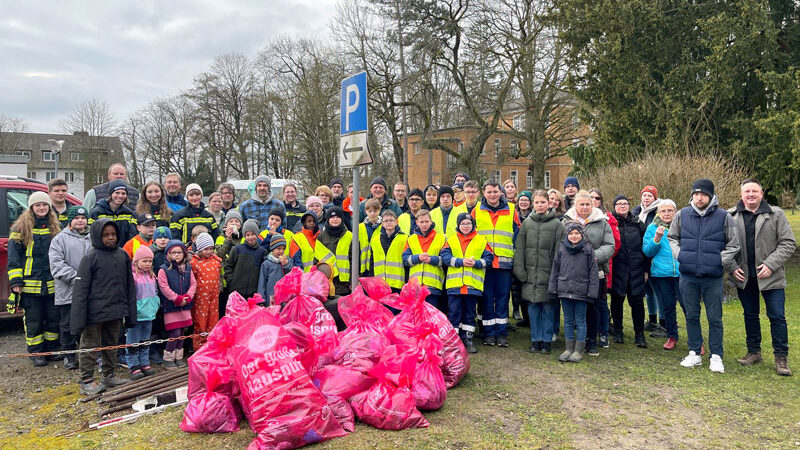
(534,250)
(270,273)
(575,273)
(774,244)
(612,221)
(104,289)
(662,264)
(629,263)
(101,191)
(259,210)
(187,218)
(66,252)
(123,217)
(704,240)
(598,232)
(176,202)
(242,268)
(386,204)
(293,214)
(646,215)
(31,271)
(147,300)
(173,282)
(159,257)
(155,210)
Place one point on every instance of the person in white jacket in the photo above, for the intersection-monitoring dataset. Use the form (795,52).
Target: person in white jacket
(66,251)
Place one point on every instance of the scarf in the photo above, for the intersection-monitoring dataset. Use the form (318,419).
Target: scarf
(573,249)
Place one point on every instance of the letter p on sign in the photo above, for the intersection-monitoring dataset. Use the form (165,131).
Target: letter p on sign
(354,104)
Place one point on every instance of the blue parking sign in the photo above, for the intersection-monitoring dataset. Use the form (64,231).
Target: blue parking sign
(354,104)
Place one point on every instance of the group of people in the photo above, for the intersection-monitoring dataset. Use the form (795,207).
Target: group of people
(160,263)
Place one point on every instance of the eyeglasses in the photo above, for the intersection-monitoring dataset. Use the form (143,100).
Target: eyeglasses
(414,199)
(622,204)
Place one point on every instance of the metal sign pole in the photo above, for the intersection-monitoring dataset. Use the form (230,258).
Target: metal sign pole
(355,264)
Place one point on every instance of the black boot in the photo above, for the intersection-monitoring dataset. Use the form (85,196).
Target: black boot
(70,363)
(545,348)
(639,340)
(469,344)
(619,338)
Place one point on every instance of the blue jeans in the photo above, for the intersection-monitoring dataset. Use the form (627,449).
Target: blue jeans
(496,290)
(669,295)
(774,300)
(138,356)
(541,317)
(461,312)
(556,316)
(653,301)
(709,289)
(574,317)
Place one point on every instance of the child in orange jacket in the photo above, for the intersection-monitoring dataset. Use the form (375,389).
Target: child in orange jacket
(206,267)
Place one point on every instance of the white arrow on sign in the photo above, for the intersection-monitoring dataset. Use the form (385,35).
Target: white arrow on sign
(353,150)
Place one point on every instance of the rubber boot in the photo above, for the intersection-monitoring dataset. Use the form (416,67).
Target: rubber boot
(169,360)
(569,347)
(179,361)
(577,355)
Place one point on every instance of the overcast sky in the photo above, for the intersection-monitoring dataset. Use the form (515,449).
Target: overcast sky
(56,54)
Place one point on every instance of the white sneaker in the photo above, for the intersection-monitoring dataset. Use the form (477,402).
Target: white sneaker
(715,364)
(693,359)
(555,338)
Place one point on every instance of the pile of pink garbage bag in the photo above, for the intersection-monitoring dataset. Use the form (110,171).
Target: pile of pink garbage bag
(299,381)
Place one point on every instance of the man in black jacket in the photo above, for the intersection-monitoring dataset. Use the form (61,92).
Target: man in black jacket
(104,295)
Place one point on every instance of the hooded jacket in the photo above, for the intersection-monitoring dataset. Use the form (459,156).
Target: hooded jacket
(123,217)
(575,273)
(534,250)
(104,289)
(598,232)
(629,263)
(189,217)
(663,264)
(66,252)
(242,268)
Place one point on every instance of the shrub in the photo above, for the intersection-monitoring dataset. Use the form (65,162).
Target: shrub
(672,175)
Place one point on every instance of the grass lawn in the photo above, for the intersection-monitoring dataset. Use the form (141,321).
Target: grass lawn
(627,397)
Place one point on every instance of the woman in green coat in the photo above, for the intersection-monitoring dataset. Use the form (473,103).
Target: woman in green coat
(536,245)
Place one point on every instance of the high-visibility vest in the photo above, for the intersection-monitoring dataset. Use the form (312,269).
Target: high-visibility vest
(452,220)
(306,251)
(404,222)
(466,276)
(363,246)
(389,265)
(286,234)
(499,236)
(342,255)
(428,274)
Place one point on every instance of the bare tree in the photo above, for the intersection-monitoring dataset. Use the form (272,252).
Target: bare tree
(93,118)
(10,129)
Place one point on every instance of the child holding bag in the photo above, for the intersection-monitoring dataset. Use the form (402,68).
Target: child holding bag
(176,285)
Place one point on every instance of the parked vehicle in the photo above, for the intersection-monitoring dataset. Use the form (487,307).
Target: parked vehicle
(14,193)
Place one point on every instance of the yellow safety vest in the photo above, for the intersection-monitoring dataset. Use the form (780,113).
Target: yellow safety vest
(499,236)
(389,265)
(428,274)
(452,219)
(363,245)
(404,222)
(286,234)
(30,286)
(319,252)
(343,256)
(466,276)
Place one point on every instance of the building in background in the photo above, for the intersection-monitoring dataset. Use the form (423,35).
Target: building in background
(496,159)
(83,162)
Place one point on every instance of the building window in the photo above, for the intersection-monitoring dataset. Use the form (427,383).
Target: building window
(47,155)
(514,148)
(497,147)
(460,147)
(529,179)
(547,150)
(99,179)
(547,179)
(75,156)
(514,176)
(496,176)
(32,175)
(519,122)
(24,153)
(69,177)
(49,176)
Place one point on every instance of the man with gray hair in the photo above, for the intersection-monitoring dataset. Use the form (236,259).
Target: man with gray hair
(116,172)
(175,199)
(259,206)
(228,196)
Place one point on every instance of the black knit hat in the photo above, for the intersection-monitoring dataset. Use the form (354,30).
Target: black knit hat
(278,212)
(572,226)
(705,186)
(334,211)
(466,215)
(337,181)
(446,190)
(378,180)
(620,197)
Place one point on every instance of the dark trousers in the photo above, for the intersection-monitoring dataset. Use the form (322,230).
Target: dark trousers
(774,300)
(41,323)
(517,303)
(434,300)
(668,292)
(461,312)
(593,311)
(99,335)
(602,308)
(637,311)
(67,340)
(709,291)
(496,290)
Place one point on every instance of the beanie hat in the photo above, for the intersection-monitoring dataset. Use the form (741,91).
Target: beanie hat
(38,197)
(651,189)
(142,253)
(526,194)
(572,226)
(232,214)
(250,225)
(573,181)
(446,190)
(77,210)
(378,180)
(117,185)
(465,215)
(176,243)
(204,240)
(463,174)
(705,186)
(337,181)
(261,179)
(313,199)
(193,187)
(620,197)
(335,211)
(162,232)
(277,240)
(278,212)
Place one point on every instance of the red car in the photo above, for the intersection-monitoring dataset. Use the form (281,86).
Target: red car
(14,193)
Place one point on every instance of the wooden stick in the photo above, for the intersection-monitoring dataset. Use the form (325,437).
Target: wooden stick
(146,390)
(148,380)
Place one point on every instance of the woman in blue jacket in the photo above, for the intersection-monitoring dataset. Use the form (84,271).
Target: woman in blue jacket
(664,268)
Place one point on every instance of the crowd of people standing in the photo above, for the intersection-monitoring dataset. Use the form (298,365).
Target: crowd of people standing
(161,263)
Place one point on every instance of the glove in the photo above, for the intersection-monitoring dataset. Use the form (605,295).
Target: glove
(11,306)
